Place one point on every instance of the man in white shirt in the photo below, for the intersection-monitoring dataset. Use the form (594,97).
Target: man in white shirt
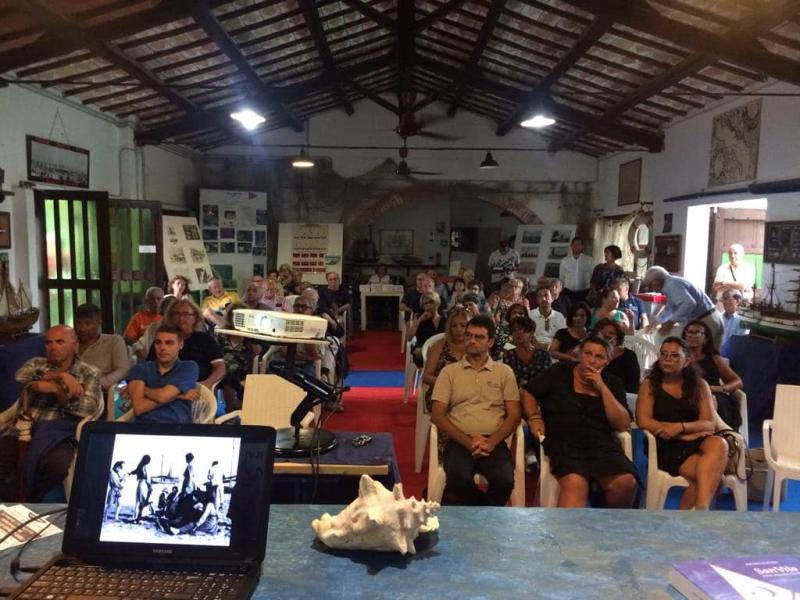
(503,262)
(380,275)
(737,275)
(547,320)
(575,271)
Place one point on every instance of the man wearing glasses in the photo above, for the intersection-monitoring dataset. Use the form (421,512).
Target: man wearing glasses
(476,407)
(547,320)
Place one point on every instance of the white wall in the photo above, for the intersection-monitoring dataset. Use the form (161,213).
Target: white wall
(170,176)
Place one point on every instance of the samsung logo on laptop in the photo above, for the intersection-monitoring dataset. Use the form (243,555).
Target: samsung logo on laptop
(161,551)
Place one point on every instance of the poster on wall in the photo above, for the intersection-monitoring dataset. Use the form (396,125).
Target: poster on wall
(311,248)
(234,224)
(734,145)
(541,248)
(185,253)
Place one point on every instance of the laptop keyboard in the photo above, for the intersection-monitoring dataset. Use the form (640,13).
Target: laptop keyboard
(88,582)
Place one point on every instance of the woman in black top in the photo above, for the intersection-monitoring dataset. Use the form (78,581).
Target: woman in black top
(624,363)
(566,341)
(582,406)
(427,324)
(676,406)
(722,380)
(606,273)
(525,359)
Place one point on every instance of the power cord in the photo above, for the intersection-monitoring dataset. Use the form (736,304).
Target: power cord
(14,567)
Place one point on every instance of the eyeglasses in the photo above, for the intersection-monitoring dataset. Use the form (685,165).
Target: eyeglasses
(670,355)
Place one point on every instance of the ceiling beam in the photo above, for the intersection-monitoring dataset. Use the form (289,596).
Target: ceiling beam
(203,16)
(767,18)
(314,23)
(52,44)
(589,37)
(406,47)
(642,17)
(438,14)
(626,134)
(471,68)
(377,16)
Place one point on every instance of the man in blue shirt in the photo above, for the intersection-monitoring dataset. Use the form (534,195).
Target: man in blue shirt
(162,390)
(731,320)
(633,308)
(685,302)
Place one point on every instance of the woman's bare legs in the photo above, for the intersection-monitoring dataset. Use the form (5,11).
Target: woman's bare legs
(705,469)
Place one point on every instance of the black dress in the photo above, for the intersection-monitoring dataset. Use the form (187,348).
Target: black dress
(727,405)
(669,409)
(565,340)
(626,367)
(579,438)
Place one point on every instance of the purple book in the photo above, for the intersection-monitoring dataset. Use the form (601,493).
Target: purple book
(753,577)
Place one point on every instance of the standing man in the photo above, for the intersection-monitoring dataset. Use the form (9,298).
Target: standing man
(547,320)
(503,262)
(62,389)
(476,407)
(216,302)
(106,352)
(153,298)
(685,302)
(575,271)
(737,275)
(162,390)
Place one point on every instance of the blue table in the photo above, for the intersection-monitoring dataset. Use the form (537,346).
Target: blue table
(506,553)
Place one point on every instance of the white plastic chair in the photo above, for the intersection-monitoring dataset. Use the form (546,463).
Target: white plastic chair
(437,478)
(548,484)
(741,399)
(203,410)
(423,424)
(271,355)
(645,350)
(270,400)
(411,373)
(659,482)
(781,443)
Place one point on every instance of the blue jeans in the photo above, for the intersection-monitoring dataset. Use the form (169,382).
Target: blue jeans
(498,470)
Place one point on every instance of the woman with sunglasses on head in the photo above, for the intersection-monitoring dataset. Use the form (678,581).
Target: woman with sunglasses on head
(447,350)
(676,406)
(722,380)
(525,358)
(566,341)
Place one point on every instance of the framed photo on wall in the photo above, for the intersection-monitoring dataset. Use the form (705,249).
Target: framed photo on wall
(54,162)
(667,252)
(630,182)
(397,241)
(781,242)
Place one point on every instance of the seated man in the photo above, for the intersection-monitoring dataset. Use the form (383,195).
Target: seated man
(731,320)
(547,320)
(216,302)
(476,407)
(253,298)
(61,390)
(162,390)
(632,306)
(106,352)
(334,298)
(153,298)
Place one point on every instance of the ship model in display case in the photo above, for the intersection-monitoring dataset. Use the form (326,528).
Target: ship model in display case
(769,318)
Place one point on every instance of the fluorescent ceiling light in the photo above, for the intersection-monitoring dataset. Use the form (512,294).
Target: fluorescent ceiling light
(249,119)
(538,121)
(302,161)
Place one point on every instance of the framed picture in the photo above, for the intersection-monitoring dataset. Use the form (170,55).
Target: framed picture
(54,162)
(397,241)
(781,242)
(630,182)
(5,230)
(667,252)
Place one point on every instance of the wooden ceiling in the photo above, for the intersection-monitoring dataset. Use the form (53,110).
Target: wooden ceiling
(613,72)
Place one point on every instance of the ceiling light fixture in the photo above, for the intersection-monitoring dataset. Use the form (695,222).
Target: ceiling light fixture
(538,121)
(489,162)
(249,119)
(302,160)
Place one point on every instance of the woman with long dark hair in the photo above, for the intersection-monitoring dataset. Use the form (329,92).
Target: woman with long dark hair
(676,406)
(722,380)
(566,341)
(144,487)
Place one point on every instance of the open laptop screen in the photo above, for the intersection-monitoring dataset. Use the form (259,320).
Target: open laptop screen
(188,491)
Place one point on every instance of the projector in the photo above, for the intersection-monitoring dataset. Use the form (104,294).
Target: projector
(280,324)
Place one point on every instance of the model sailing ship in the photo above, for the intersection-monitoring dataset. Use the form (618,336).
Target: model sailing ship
(17,315)
(769,317)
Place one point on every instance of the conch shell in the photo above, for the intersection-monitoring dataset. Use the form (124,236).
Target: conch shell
(377,520)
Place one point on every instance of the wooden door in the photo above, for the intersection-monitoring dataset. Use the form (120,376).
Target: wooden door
(735,225)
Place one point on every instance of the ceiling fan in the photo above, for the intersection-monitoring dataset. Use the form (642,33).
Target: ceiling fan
(409,124)
(403,168)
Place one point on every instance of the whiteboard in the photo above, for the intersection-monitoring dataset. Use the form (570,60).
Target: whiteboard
(312,248)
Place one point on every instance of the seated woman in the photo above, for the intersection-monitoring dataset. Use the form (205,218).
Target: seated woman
(608,301)
(581,407)
(525,359)
(606,273)
(624,363)
(457,293)
(566,341)
(426,324)
(676,406)
(178,287)
(503,332)
(448,350)
(237,353)
(722,380)
(273,297)
(510,292)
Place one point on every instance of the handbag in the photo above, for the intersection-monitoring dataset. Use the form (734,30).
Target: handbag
(736,446)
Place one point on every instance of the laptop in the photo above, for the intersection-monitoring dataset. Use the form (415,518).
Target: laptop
(165,511)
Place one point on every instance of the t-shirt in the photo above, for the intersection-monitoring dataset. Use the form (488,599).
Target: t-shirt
(565,340)
(476,399)
(329,297)
(546,327)
(503,264)
(183,375)
(218,305)
(411,299)
(636,306)
(139,322)
(199,347)
(745,273)
(110,355)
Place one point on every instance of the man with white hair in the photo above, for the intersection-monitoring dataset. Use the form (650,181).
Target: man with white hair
(737,275)
(685,302)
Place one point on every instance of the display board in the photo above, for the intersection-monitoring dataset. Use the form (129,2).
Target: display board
(311,248)
(782,242)
(541,248)
(235,233)
(184,253)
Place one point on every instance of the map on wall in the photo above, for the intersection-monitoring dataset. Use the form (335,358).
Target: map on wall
(734,145)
